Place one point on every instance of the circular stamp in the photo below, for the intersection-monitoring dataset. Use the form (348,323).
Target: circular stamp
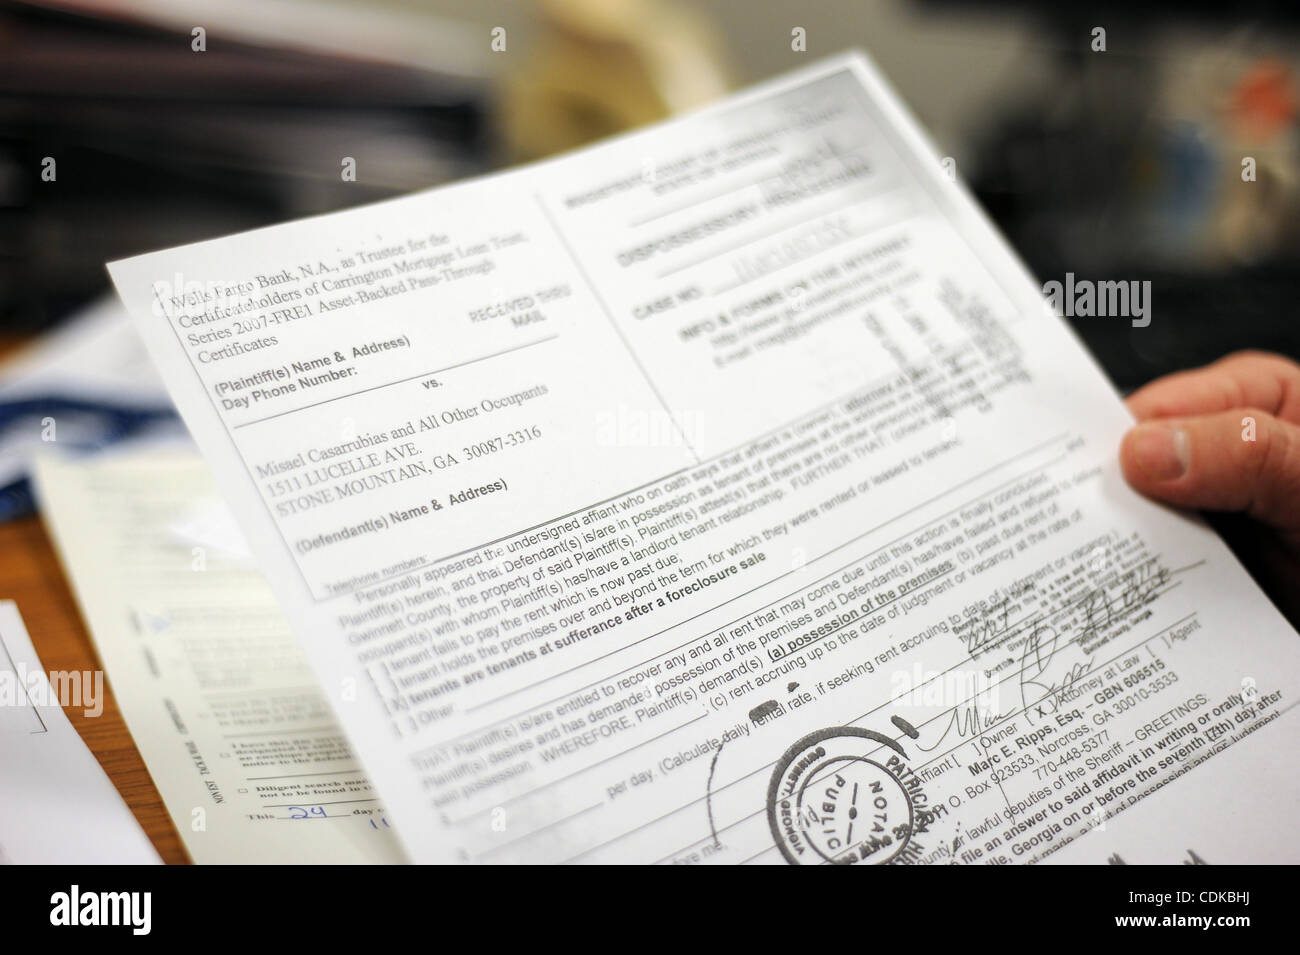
(836,798)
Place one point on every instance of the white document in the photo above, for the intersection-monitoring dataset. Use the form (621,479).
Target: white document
(725,492)
(226,711)
(57,807)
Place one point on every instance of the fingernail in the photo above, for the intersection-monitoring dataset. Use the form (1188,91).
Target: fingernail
(1161,451)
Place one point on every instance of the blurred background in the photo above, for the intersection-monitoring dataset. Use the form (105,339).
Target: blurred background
(1106,139)
(131,125)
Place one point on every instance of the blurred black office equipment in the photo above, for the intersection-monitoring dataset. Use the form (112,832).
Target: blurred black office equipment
(1129,166)
(157,143)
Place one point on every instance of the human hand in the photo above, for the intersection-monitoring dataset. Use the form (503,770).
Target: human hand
(1226,438)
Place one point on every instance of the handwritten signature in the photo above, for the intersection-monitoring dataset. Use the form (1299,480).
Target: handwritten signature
(1100,608)
(964,721)
(989,629)
(1136,587)
(1039,696)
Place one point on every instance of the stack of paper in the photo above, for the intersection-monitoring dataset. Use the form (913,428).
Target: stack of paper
(228,716)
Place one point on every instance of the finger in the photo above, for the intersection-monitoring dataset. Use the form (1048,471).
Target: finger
(1211,463)
(1241,380)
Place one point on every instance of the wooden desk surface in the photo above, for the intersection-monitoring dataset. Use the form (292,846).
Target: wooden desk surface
(31,575)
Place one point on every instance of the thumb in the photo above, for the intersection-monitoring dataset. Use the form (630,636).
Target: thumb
(1241,460)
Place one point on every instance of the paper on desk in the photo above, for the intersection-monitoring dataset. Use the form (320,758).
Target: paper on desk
(95,354)
(86,384)
(57,807)
(226,713)
(724,492)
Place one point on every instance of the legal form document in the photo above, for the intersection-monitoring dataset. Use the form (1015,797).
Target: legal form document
(57,807)
(725,492)
(219,698)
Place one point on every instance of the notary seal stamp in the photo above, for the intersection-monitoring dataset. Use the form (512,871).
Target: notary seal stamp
(846,795)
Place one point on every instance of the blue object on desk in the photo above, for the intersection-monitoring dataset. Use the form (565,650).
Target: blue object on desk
(80,425)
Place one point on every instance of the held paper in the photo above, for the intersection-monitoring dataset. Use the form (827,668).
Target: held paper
(217,694)
(725,492)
